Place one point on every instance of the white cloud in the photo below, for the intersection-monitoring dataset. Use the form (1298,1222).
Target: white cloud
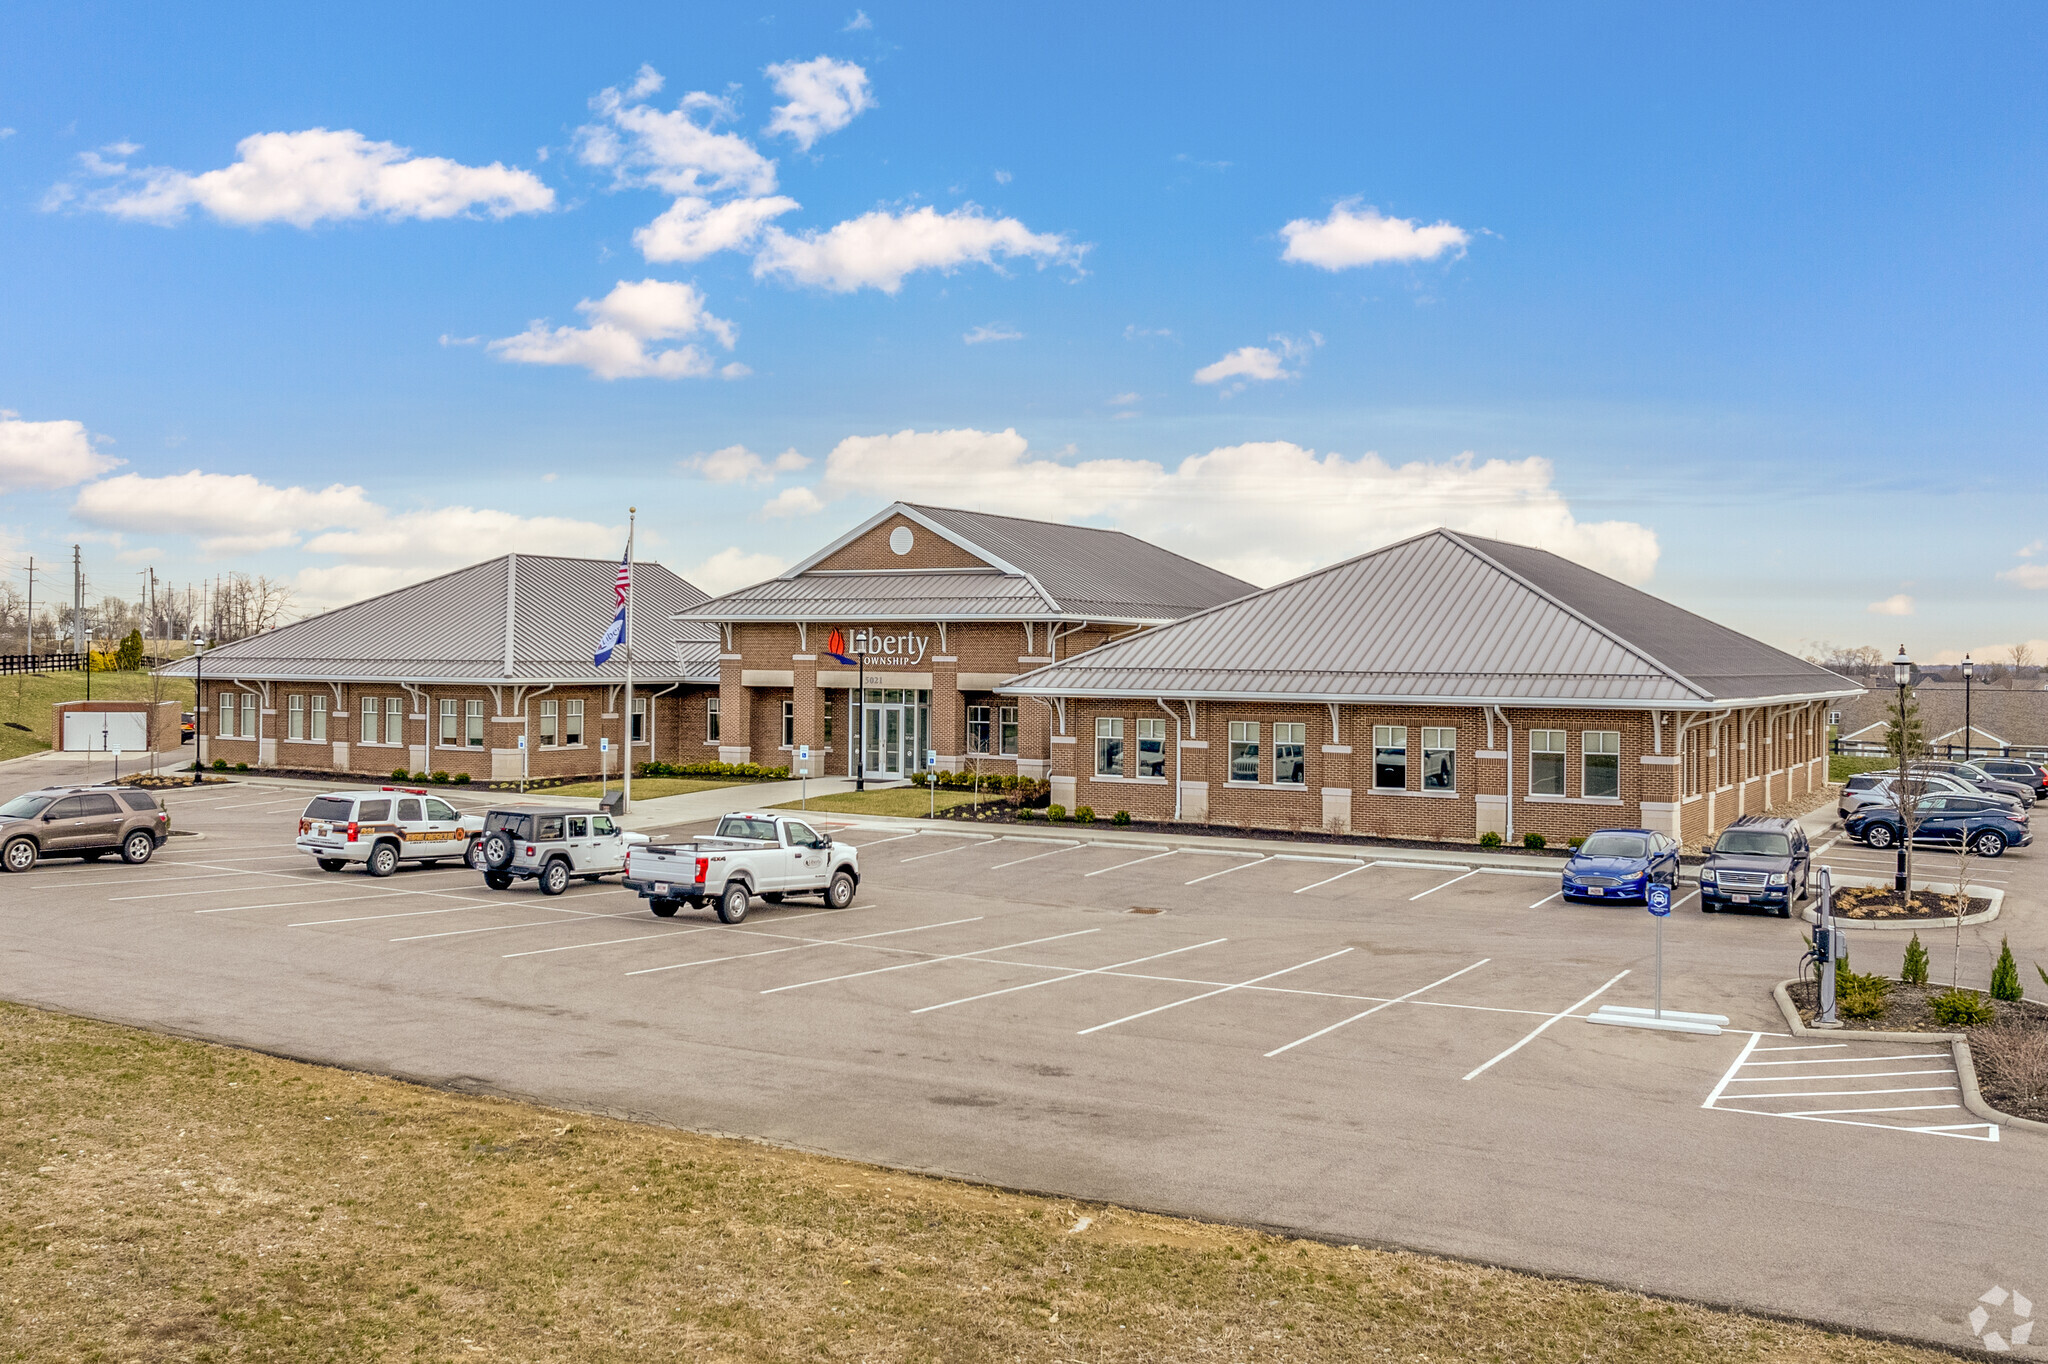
(1899,605)
(450,339)
(623,322)
(734,568)
(1134,332)
(991,331)
(2031,576)
(856,24)
(738,464)
(229,513)
(678,151)
(823,96)
(735,370)
(1264,511)
(1989,653)
(693,228)
(797,501)
(1003,177)
(1258,364)
(876,250)
(308,177)
(6,133)
(1353,236)
(52,454)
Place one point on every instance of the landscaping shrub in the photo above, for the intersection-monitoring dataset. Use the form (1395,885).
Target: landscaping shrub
(751,771)
(220,764)
(1120,817)
(2005,976)
(2014,1054)
(241,767)
(1489,839)
(1026,814)
(461,779)
(1859,1002)
(400,774)
(1056,813)
(1084,814)
(1533,840)
(439,778)
(1575,843)
(1961,1009)
(419,778)
(1914,969)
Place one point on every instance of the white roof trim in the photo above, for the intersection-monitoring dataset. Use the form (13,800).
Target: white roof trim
(1410,699)
(911,513)
(1974,727)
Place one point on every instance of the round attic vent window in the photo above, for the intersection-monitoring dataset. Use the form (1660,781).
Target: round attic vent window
(901,539)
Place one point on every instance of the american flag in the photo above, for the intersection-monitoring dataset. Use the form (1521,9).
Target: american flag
(617,633)
(619,588)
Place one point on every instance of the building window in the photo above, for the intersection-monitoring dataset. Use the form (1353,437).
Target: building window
(1390,757)
(224,707)
(1109,746)
(1244,750)
(473,723)
(394,719)
(318,730)
(451,724)
(1546,762)
(1600,751)
(640,726)
(1006,730)
(828,724)
(295,721)
(711,721)
(550,723)
(373,710)
(789,724)
(1439,759)
(977,729)
(1290,754)
(248,715)
(1151,748)
(572,723)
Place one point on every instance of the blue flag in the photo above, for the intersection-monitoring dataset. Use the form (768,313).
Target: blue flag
(617,634)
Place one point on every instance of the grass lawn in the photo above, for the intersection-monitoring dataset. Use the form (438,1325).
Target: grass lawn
(1841,768)
(897,800)
(25,699)
(646,788)
(167,1199)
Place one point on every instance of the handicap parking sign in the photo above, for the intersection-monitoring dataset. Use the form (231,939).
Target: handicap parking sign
(1659,900)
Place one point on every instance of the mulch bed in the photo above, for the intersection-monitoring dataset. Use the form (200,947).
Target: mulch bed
(2010,1053)
(1882,902)
(1003,813)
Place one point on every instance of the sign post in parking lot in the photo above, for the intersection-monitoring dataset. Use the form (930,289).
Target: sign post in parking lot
(803,771)
(1658,901)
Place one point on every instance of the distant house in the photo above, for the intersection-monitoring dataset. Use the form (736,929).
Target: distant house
(2000,720)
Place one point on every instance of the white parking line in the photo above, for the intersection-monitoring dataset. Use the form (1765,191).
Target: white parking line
(407,914)
(1452,882)
(1362,866)
(1740,1059)
(1542,1027)
(929,961)
(919,857)
(1852,1075)
(1847,1060)
(649,937)
(1852,1093)
(574,916)
(1257,861)
(880,841)
(812,942)
(1546,899)
(1225,989)
(1069,975)
(1133,862)
(1035,856)
(1375,1009)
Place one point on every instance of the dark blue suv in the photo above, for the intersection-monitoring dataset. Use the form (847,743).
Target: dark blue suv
(1987,827)
(1620,864)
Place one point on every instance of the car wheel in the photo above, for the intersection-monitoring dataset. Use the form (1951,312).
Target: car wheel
(330,863)
(497,851)
(475,856)
(1990,843)
(732,906)
(18,855)
(840,893)
(136,848)
(1708,906)
(1879,836)
(663,909)
(498,880)
(1783,911)
(554,878)
(383,859)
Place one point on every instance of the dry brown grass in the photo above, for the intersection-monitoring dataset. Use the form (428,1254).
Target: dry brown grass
(169,1200)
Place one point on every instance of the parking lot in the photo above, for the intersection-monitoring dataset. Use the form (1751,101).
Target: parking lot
(1390,1050)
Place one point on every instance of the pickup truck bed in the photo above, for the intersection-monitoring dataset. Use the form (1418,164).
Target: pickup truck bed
(766,855)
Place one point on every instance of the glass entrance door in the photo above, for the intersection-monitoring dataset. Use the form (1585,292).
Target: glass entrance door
(892,745)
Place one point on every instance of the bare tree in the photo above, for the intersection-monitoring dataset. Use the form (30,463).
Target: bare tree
(2022,656)
(1907,743)
(1966,858)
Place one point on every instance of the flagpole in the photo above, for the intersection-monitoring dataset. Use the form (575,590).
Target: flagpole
(626,790)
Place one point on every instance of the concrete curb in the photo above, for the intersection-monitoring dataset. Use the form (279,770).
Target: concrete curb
(1966,1066)
(1995,896)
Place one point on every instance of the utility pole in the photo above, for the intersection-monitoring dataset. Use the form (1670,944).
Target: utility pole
(31,630)
(78,617)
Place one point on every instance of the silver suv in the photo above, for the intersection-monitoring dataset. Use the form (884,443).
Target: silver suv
(551,846)
(81,821)
(382,828)
(1866,789)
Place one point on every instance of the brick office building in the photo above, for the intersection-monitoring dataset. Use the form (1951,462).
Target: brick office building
(1442,687)
(447,675)
(945,606)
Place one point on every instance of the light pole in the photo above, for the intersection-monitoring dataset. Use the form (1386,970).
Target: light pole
(1902,677)
(1968,669)
(198,700)
(87,641)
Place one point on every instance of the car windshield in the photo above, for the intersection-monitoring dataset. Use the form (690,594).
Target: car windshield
(25,807)
(1615,845)
(519,826)
(739,826)
(1863,783)
(1754,843)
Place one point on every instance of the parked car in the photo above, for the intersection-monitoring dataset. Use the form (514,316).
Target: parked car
(1761,860)
(1868,789)
(383,827)
(2023,792)
(552,846)
(748,855)
(188,725)
(1987,826)
(1620,864)
(2021,770)
(81,821)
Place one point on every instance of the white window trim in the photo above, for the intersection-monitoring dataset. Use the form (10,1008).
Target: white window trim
(1535,799)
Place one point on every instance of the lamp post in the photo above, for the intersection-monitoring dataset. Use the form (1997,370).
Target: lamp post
(1902,677)
(198,700)
(1969,668)
(86,639)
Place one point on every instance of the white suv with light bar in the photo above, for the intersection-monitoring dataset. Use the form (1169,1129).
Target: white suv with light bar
(383,827)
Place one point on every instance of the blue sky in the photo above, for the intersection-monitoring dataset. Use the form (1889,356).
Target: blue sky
(1742,304)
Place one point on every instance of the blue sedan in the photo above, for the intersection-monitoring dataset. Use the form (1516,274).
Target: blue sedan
(1621,864)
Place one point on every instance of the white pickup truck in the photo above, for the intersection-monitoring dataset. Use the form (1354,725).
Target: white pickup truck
(766,855)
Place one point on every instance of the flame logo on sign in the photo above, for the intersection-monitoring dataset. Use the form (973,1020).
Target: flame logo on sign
(836,644)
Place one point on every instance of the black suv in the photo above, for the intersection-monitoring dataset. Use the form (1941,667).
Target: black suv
(1760,860)
(2028,774)
(81,821)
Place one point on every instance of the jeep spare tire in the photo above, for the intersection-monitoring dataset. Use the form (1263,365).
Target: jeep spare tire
(496,850)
